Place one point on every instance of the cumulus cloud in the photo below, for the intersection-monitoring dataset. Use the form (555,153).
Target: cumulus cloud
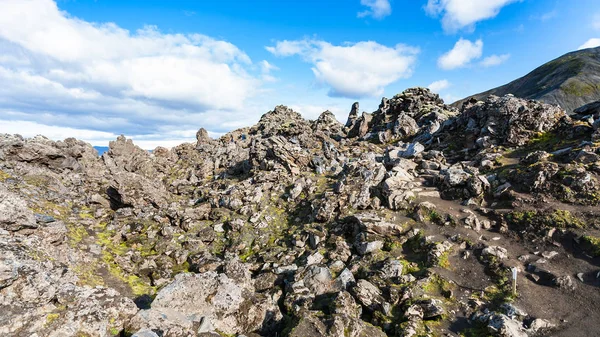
(378,9)
(459,14)
(352,70)
(60,70)
(591,43)
(437,86)
(461,55)
(494,60)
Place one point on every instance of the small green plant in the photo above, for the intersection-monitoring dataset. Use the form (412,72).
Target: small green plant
(436,217)
(443,260)
(51,318)
(114,331)
(591,245)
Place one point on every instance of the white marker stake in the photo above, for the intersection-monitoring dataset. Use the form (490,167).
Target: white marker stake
(514,276)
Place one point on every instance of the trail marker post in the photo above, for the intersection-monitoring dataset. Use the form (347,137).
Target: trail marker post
(514,277)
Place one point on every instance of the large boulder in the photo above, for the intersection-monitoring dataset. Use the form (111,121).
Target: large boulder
(502,121)
(14,213)
(218,301)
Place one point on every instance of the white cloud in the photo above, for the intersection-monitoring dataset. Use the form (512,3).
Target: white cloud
(458,14)
(437,86)
(461,55)
(545,16)
(266,69)
(450,98)
(494,60)
(549,15)
(30,129)
(591,43)
(378,9)
(289,48)
(56,68)
(352,70)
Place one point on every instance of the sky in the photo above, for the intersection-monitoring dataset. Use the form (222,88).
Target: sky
(157,71)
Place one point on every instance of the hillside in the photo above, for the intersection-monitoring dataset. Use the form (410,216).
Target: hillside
(570,81)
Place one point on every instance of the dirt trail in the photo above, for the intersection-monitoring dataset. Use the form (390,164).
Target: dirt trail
(576,312)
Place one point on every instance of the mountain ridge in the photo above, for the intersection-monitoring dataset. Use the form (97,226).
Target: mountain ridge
(570,81)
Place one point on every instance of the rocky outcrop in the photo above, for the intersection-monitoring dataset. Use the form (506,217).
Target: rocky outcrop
(208,302)
(415,113)
(504,121)
(399,223)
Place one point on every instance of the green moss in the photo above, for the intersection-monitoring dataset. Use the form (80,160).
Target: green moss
(101,225)
(502,291)
(591,245)
(112,249)
(86,216)
(437,285)
(443,260)
(105,239)
(391,245)
(88,275)
(420,331)
(60,212)
(542,138)
(435,217)
(37,180)
(579,88)
(217,247)
(76,234)
(564,219)
(414,244)
(137,285)
(181,268)
(40,256)
(246,255)
(499,294)
(478,329)
(554,219)
(51,318)
(4,176)
(114,331)
(409,267)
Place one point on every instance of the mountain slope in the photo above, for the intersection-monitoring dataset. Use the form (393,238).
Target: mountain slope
(570,81)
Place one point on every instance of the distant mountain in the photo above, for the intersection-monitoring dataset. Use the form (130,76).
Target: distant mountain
(570,81)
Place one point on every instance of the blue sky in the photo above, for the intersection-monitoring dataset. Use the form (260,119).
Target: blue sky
(157,71)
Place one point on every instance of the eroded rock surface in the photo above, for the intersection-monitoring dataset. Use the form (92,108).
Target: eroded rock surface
(407,221)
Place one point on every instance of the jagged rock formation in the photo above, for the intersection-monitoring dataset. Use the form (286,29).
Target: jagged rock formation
(403,222)
(569,81)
